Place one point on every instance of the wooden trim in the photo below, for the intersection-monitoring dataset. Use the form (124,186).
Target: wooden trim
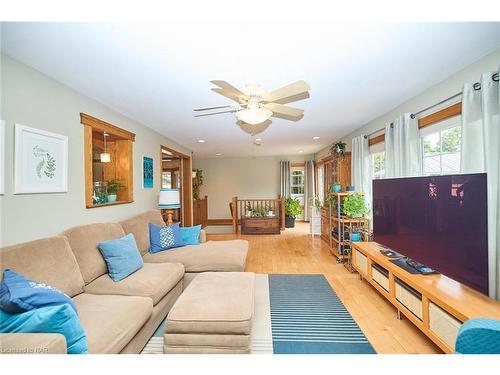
(220,221)
(326,159)
(88,160)
(443,114)
(103,126)
(187,192)
(175,152)
(378,139)
(297,164)
(116,203)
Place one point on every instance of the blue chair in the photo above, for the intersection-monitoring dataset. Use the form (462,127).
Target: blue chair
(479,336)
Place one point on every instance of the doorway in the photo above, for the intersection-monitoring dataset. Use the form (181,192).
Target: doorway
(176,174)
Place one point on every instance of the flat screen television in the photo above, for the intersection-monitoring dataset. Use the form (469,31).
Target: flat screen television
(439,221)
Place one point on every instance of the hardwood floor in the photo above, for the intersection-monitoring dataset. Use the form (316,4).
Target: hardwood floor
(295,251)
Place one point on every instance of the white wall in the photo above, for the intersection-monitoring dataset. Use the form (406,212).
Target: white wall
(224,178)
(33,99)
(435,94)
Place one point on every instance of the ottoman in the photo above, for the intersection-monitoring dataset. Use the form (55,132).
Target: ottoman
(212,315)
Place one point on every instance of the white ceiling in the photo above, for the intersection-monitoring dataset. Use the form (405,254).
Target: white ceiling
(156,73)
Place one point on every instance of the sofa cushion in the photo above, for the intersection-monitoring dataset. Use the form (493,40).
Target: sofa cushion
(164,237)
(110,321)
(215,303)
(60,319)
(218,256)
(154,280)
(55,263)
(139,226)
(19,294)
(121,256)
(83,240)
(191,235)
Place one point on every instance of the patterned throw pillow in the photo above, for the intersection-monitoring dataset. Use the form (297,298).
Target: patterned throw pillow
(164,238)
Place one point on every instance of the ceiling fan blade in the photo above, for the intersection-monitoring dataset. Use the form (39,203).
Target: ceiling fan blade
(210,108)
(217,113)
(284,110)
(229,88)
(292,89)
(293,98)
(228,94)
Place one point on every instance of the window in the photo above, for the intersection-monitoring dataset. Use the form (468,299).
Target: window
(377,152)
(297,186)
(441,147)
(321,184)
(166,180)
(378,165)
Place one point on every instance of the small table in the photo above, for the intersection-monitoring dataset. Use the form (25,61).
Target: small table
(260,225)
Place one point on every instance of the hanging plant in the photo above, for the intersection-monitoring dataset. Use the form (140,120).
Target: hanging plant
(338,150)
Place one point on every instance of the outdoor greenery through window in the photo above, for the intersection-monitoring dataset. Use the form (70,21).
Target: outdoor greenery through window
(441,152)
(378,165)
(297,185)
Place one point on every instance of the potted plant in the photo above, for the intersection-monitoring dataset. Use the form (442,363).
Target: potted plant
(355,233)
(114,186)
(292,210)
(338,150)
(355,206)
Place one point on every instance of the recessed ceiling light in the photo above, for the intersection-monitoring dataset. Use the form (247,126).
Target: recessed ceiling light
(316,137)
(218,154)
(201,141)
(301,151)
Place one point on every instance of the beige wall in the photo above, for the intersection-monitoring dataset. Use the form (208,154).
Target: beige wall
(434,94)
(33,99)
(224,178)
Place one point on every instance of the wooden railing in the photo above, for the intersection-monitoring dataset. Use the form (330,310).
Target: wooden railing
(239,207)
(200,212)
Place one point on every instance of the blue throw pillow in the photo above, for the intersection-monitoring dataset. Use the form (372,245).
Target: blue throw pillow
(191,235)
(164,238)
(122,256)
(19,294)
(50,319)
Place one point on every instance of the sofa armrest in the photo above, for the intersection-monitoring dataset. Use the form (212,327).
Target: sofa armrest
(32,343)
(203,236)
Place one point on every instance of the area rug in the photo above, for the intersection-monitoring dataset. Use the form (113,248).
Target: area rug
(296,314)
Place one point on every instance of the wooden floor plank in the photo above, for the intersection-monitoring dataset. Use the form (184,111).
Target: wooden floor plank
(295,251)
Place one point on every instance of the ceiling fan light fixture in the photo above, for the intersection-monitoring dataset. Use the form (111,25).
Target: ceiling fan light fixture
(254,116)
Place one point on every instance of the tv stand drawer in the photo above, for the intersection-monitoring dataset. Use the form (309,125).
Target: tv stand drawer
(410,298)
(443,325)
(361,262)
(380,276)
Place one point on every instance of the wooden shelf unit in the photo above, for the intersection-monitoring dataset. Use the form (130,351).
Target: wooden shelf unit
(445,303)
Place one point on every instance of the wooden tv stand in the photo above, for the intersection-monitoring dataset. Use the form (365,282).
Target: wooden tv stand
(436,304)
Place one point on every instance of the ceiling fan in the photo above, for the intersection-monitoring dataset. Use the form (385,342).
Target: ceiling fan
(255,105)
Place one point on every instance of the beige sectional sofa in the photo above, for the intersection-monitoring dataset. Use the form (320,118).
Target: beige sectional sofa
(118,317)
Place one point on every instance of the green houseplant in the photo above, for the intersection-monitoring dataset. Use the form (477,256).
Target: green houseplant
(292,210)
(355,206)
(113,187)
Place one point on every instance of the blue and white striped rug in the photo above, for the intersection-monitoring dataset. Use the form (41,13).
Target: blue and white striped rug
(308,317)
(296,314)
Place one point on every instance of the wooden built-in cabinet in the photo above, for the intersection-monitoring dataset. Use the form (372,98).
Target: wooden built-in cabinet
(119,144)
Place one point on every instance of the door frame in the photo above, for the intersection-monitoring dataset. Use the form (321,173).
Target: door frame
(186,188)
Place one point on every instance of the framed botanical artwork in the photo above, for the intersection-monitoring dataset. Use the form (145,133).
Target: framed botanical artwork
(147,172)
(40,161)
(2,157)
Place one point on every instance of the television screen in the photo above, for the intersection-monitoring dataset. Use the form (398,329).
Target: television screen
(439,221)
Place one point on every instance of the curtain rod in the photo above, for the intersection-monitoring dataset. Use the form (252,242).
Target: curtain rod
(476,86)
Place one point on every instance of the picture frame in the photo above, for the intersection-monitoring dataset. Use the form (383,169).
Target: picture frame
(147,172)
(2,157)
(40,161)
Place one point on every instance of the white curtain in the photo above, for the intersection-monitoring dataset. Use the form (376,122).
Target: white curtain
(309,192)
(361,167)
(285,179)
(402,147)
(481,153)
